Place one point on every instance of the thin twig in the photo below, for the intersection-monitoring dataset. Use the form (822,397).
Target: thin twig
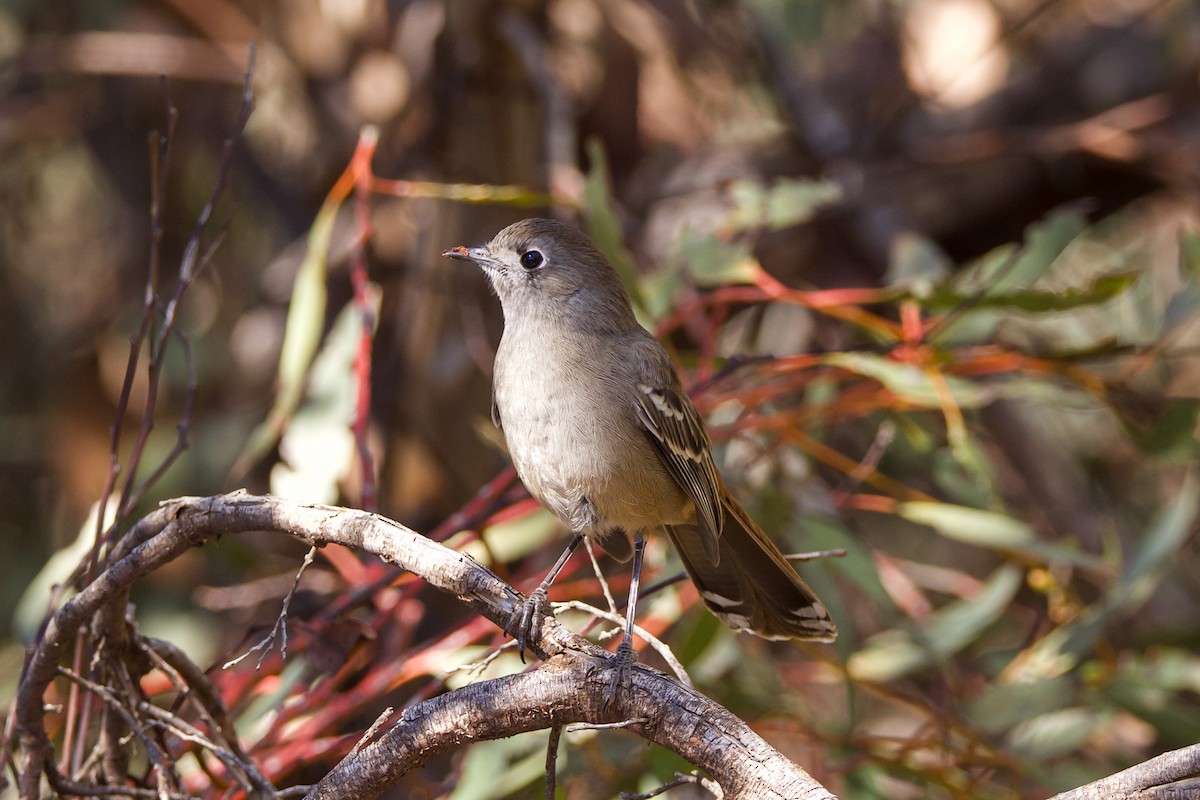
(607,726)
(158,759)
(552,760)
(816,555)
(657,644)
(190,265)
(279,629)
(608,595)
(680,780)
(371,731)
(476,667)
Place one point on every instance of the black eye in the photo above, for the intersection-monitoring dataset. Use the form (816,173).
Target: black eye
(531,259)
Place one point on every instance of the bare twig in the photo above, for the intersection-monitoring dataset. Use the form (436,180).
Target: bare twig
(371,731)
(158,759)
(616,618)
(1158,771)
(816,555)
(569,688)
(608,726)
(552,760)
(608,595)
(279,629)
(680,780)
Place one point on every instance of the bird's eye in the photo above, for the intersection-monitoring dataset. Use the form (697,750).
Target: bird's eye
(531,259)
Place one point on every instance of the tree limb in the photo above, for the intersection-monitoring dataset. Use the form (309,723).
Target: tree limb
(569,687)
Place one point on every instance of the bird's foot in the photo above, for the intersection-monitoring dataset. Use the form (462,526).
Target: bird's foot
(525,622)
(621,664)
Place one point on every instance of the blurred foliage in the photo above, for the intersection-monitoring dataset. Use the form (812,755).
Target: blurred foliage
(932,268)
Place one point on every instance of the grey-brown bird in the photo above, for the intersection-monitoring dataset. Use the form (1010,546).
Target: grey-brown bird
(602,433)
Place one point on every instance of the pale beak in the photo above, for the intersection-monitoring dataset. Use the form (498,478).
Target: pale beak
(476,254)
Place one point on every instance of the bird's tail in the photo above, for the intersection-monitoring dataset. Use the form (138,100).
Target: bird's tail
(753,588)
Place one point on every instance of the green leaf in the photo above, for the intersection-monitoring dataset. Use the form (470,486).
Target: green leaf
(1001,706)
(317,446)
(992,530)
(895,653)
(31,609)
(1183,305)
(502,767)
(917,262)
(1059,651)
(1101,290)
(1003,271)
(909,382)
(1167,428)
(970,525)
(302,335)
(516,538)
(1055,734)
(602,223)
(1158,549)
(712,262)
(1172,716)
(785,203)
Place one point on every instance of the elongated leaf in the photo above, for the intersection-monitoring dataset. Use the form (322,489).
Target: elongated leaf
(908,382)
(785,203)
(602,223)
(713,262)
(1056,733)
(970,525)
(302,335)
(992,530)
(317,446)
(1005,270)
(1172,716)
(1184,305)
(1001,706)
(893,654)
(1158,549)
(1101,290)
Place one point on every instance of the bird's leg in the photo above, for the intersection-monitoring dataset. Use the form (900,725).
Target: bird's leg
(625,658)
(536,606)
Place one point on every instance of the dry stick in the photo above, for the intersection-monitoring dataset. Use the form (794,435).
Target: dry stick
(75,731)
(279,629)
(160,157)
(159,160)
(680,780)
(552,760)
(617,619)
(6,747)
(1159,771)
(190,266)
(681,720)
(194,686)
(158,758)
(371,731)
(241,771)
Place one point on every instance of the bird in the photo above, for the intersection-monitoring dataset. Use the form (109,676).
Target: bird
(602,433)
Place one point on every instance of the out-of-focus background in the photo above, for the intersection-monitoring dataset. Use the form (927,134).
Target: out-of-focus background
(891,146)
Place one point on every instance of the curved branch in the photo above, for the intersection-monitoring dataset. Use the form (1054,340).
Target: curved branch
(1140,780)
(569,687)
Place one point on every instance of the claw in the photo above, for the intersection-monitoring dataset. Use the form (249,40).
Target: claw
(527,614)
(623,662)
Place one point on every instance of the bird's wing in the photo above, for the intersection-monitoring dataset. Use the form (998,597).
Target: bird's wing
(674,427)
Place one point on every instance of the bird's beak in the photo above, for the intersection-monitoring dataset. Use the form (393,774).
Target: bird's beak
(477,254)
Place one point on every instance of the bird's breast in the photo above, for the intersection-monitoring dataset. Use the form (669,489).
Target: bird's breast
(569,421)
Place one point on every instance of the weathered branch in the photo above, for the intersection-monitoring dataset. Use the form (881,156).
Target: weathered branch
(1147,780)
(569,687)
